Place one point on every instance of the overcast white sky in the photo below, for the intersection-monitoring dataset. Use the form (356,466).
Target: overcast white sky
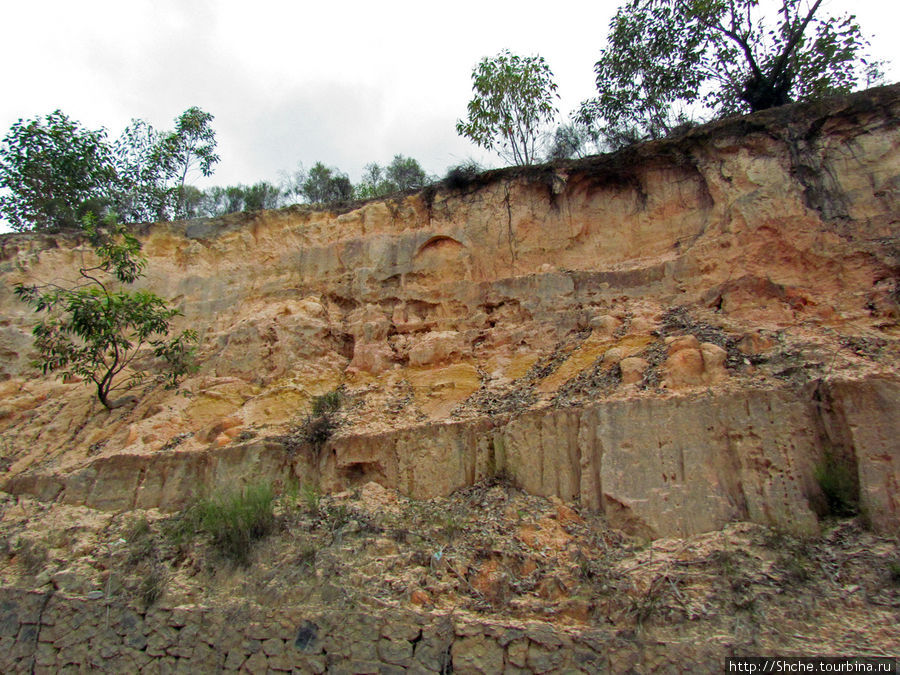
(346,83)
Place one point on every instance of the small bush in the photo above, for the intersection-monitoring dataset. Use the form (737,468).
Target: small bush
(462,176)
(327,403)
(317,429)
(319,425)
(235,519)
(337,516)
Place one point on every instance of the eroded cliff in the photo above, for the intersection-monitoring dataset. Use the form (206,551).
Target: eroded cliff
(678,335)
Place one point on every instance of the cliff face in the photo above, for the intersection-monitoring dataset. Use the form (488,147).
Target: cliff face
(678,335)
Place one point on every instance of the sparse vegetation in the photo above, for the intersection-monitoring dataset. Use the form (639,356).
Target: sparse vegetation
(311,496)
(153,585)
(894,572)
(328,403)
(838,485)
(319,423)
(141,544)
(235,519)
(232,520)
(31,555)
(461,176)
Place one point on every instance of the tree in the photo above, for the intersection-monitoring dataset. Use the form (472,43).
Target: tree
(193,201)
(190,147)
(95,331)
(141,193)
(403,173)
(406,173)
(374,183)
(54,171)
(323,185)
(219,201)
(514,98)
(668,59)
(570,141)
(262,195)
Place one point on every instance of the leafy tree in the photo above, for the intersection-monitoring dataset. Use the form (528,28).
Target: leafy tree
(190,147)
(219,201)
(193,201)
(262,195)
(374,183)
(570,141)
(54,171)
(324,185)
(514,98)
(141,193)
(667,58)
(406,173)
(403,173)
(96,331)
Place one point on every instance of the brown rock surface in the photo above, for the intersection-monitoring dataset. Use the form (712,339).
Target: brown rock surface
(677,335)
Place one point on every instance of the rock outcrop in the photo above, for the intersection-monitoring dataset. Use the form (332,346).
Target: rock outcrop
(682,334)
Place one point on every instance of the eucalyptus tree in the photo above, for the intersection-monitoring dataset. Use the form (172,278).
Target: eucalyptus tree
(514,99)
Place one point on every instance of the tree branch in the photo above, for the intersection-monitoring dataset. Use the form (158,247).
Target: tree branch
(781,62)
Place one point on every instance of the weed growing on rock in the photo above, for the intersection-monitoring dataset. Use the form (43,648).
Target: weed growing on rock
(140,541)
(234,519)
(307,556)
(319,424)
(31,555)
(327,403)
(311,496)
(152,586)
(894,572)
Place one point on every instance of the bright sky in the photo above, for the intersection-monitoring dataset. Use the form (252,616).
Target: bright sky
(345,83)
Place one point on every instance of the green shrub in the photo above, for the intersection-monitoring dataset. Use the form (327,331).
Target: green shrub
(327,403)
(235,519)
(319,425)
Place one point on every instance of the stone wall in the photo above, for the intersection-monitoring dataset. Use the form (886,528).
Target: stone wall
(51,632)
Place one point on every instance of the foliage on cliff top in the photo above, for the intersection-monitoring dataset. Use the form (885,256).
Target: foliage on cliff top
(668,60)
(513,99)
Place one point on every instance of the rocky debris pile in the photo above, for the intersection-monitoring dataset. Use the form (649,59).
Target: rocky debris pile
(489,550)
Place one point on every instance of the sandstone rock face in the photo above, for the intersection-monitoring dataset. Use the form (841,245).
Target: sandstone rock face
(678,335)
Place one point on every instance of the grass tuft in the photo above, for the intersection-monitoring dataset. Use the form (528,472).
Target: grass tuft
(233,520)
